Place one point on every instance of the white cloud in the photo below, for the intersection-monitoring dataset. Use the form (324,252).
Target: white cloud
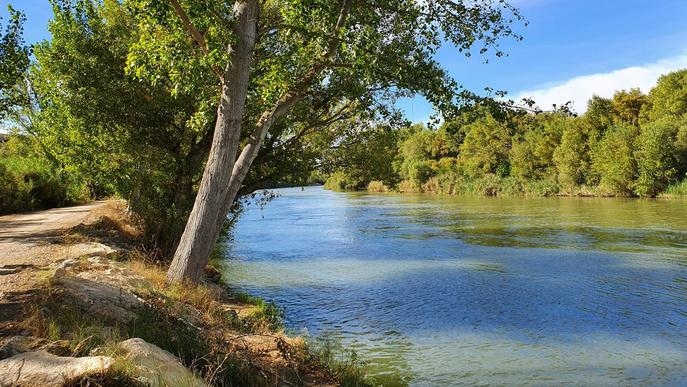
(580,89)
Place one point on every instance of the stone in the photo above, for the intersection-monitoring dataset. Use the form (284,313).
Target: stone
(98,297)
(67,264)
(19,344)
(157,367)
(94,249)
(41,368)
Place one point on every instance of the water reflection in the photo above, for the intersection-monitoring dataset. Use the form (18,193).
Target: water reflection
(479,290)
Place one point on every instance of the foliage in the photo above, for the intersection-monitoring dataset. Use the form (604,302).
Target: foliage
(120,135)
(377,186)
(14,62)
(29,181)
(626,106)
(342,181)
(613,159)
(658,157)
(669,97)
(632,144)
(367,154)
(572,157)
(485,149)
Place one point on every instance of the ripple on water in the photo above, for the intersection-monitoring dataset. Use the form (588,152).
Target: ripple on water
(479,290)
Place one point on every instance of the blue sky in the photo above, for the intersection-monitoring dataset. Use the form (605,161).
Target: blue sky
(572,49)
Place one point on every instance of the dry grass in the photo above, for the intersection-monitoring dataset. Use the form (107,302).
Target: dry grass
(111,222)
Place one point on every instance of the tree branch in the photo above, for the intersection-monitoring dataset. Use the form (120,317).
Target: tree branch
(195,34)
(284,103)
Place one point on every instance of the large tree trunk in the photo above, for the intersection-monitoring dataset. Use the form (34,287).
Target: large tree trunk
(207,216)
(224,172)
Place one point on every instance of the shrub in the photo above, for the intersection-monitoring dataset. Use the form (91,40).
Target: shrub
(29,181)
(377,186)
(341,181)
(656,157)
(613,159)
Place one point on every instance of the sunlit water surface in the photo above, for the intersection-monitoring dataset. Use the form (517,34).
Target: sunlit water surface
(454,290)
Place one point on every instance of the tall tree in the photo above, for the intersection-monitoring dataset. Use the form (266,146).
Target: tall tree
(14,62)
(269,57)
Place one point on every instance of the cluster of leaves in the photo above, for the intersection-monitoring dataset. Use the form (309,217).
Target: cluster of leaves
(632,144)
(14,61)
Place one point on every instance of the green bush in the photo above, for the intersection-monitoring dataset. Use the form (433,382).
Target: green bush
(613,159)
(341,181)
(29,181)
(657,158)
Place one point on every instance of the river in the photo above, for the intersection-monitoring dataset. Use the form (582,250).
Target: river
(474,290)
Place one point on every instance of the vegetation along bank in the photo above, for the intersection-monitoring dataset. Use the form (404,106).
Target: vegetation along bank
(633,144)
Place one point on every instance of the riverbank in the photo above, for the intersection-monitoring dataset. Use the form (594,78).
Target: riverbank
(494,186)
(77,292)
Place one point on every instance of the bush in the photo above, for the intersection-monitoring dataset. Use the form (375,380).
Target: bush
(341,181)
(29,181)
(613,159)
(656,157)
(377,186)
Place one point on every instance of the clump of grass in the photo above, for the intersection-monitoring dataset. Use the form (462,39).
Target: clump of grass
(264,317)
(110,221)
(328,352)
(114,377)
(677,189)
(59,319)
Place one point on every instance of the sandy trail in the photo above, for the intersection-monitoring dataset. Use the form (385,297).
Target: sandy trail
(27,245)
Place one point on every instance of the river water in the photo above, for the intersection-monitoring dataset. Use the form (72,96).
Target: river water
(464,290)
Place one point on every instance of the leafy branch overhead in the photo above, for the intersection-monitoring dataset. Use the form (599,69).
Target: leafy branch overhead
(385,46)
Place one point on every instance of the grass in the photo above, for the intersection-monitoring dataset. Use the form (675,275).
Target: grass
(330,353)
(59,320)
(350,370)
(676,189)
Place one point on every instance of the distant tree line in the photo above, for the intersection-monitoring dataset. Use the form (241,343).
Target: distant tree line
(633,144)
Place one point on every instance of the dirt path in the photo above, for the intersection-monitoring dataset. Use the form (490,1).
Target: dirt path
(28,245)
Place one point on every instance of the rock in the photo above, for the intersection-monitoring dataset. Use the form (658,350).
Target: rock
(67,264)
(118,277)
(157,367)
(98,297)
(19,344)
(94,249)
(40,368)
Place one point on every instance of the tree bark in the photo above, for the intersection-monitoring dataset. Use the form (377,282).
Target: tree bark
(207,216)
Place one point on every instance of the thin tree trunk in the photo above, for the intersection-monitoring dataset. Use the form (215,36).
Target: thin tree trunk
(206,218)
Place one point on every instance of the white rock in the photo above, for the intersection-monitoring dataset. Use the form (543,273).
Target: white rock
(41,368)
(68,264)
(99,297)
(157,367)
(93,249)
